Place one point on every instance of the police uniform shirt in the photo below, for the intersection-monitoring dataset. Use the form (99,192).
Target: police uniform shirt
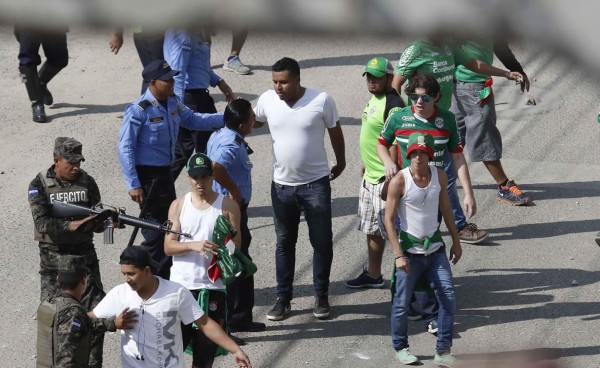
(190,54)
(230,150)
(149,131)
(41,208)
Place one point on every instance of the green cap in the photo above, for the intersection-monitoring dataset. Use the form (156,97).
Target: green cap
(199,164)
(378,67)
(420,141)
(67,263)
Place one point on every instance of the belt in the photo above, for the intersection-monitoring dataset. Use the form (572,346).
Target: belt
(441,249)
(307,185)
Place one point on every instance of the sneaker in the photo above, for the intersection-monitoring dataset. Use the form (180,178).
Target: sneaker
(432,327)
(470,234)
(511,194)
(446,360)
(235,65)
(405,357)
(280,310)
(365,281)
(321,310)
(598,238)
(413,314)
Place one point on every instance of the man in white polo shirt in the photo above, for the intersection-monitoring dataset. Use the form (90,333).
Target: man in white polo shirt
(297,118)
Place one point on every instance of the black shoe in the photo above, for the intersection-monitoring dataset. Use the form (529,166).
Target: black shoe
(46,95)
(280,310)
(39,115)
(321,310)
(249,327)
(237,340)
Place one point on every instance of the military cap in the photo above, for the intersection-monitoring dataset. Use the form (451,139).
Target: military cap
(68,263)
(68,148)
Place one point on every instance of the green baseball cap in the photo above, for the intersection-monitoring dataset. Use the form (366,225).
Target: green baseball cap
(420,141)
(378,67)
(199,164)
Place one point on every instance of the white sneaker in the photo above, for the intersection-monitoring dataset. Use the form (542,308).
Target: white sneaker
(235,65)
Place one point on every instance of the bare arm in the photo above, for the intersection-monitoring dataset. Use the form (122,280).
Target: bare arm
(389,165)
(462,171)
(259,124)
(446,210)
(339,149)
(215,333)
(394,193)
(397,83)
(480,67)
(231,211)
(172,244)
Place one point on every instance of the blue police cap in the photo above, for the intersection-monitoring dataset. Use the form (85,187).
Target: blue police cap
(158,70)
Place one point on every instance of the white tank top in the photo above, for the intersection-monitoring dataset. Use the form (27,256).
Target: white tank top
(418,209)
(191,269)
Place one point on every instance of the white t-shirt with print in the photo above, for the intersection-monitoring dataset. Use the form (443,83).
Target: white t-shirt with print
(157,334)
(298,133)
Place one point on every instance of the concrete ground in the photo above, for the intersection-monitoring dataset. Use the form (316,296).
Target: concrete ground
(534,283)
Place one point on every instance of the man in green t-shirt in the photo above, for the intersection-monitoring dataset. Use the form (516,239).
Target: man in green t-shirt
(474,108)
(439,58)
(379,74)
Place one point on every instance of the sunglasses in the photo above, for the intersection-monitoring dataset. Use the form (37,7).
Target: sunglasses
(416,96)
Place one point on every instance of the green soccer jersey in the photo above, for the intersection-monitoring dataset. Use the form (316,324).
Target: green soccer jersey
(481,50)
(422,56)
(373,118)
(441,125)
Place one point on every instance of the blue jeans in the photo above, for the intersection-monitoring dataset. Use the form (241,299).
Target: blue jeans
(459,216)
(435,268)
(288,201)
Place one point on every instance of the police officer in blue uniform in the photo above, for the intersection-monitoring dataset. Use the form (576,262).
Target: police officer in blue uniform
(54,43)
(146,149)
(189,52)
(229,152)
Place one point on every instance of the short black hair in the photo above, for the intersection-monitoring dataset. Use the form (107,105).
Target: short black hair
(136,256)
(237,112)
(426,81)
(70,280)
(287,64)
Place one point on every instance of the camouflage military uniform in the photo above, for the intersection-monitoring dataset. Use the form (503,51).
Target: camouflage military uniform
(74,331)
(55,240)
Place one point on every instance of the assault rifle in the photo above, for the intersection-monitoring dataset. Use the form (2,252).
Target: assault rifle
(110,217)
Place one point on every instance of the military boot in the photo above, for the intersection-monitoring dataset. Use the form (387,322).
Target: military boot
(47,72)
(29,76)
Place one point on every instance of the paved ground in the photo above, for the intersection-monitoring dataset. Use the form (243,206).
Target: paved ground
(514,293)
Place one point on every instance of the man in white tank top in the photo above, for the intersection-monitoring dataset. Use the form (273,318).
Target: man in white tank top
(416,195)
(196,214)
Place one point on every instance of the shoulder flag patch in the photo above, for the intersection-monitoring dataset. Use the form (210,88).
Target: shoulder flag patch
(33,191)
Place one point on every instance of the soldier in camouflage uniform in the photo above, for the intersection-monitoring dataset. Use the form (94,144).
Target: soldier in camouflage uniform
(65,181)
(64,328)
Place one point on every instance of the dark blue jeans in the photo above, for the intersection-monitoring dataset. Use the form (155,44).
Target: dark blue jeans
(288,201)
(460,220)
(435,268)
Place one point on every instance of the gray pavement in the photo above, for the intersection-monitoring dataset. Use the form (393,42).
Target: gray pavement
(514,292)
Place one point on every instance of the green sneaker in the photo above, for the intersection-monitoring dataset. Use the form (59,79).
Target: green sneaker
(446,360)
(406,357)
